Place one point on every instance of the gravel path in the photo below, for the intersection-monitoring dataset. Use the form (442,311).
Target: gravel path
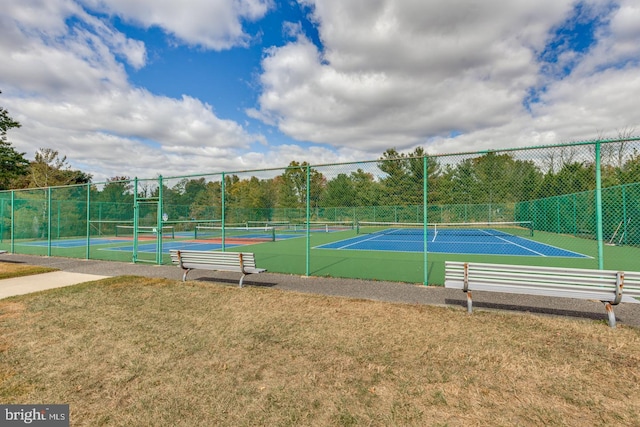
(627,314)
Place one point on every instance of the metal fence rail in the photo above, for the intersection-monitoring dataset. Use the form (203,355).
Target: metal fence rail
(582,201)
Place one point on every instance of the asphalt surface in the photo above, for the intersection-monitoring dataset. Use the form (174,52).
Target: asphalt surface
(73,271)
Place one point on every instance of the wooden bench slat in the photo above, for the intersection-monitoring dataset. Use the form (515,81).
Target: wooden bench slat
(609,286)
(602,278)
(568,292)
(242,262)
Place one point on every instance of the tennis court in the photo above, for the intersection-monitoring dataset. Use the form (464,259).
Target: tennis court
(509,238)
(167,246)
(127,246)
(474,238)
(202,238)
(73,243)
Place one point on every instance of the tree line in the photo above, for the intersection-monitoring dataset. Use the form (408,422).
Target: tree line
(395,179)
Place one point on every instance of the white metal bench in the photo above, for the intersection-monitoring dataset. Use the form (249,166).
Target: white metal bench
(610,287)
(242,262)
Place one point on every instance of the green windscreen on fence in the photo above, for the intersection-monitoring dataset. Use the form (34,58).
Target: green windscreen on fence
(398,217)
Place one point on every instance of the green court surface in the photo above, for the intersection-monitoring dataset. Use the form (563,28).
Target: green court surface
(289,256)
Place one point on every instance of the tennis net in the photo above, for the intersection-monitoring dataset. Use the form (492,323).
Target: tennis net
(168,231)
(274,224)
(321,226)
(259,234)
(517,228)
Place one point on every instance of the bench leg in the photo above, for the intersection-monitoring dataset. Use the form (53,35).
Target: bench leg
(184,276)
(241,279)
(610,313)
(469,302)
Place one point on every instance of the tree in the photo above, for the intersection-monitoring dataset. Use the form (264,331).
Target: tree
(340,191)
(293,192)
(464,183)
(630,172)
(397,183)
(404,182)
(118,189)
(367,190)
(572,178)
(49,169)
(12,163)
(495,173)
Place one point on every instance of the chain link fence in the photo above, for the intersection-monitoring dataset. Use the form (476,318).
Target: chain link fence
(395,218)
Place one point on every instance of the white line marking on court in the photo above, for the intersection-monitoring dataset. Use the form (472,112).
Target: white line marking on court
(521,246)
(357,243)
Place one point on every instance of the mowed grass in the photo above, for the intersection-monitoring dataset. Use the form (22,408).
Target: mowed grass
(131,351)
(8,270)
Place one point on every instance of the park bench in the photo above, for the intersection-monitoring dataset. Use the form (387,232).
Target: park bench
(610,287)
(242,262)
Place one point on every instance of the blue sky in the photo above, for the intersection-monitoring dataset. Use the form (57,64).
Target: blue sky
(144,88)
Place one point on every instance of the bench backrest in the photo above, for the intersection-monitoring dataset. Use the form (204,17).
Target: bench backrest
(551,281)
(231,259)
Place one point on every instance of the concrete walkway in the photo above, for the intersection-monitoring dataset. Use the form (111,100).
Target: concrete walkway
(40,282)
(74,271)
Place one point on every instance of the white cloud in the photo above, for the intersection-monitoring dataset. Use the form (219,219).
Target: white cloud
(49,57)
(131,130)
(213,24)
(394,73)
(403,73)
(389,73)
(618,43)
(63,79)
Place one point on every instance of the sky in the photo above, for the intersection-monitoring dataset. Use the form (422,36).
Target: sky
(158,87)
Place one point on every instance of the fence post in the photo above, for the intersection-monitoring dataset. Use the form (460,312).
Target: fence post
(222,214)
(599,208)
(308,217)
(136,218)
(13,222)
(624,213)
(49,221)
(159,223)
(425,188)
(87,251)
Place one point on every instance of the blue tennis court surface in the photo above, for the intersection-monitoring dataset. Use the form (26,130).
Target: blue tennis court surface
(166,247)
(482,242)
(128,245)
(73,243)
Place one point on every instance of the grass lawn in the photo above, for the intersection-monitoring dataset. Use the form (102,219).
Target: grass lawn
(136,351)
(8,270)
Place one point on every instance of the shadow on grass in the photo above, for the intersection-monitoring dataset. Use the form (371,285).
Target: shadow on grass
(8,261)
(529,309)
(235,282)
